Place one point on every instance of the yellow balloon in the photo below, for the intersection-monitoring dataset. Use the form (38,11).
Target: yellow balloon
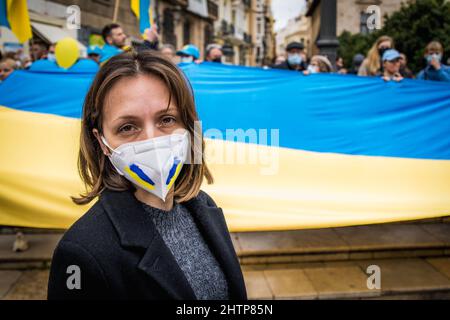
(67,52)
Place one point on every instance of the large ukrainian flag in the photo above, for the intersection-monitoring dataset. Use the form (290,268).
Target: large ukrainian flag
(350,151)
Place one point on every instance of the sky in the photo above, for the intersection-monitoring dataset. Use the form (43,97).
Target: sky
(283,10)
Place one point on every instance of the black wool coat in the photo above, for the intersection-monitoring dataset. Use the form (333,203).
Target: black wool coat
(116,252)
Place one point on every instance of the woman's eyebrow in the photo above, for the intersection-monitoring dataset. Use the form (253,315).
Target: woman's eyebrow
(126,117)
(134,117)
(165,110)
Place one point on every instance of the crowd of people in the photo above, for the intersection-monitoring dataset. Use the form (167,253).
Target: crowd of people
(382,60)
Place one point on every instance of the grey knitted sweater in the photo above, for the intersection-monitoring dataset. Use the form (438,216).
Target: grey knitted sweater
(180,233)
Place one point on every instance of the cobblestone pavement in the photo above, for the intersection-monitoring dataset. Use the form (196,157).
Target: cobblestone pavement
(24,285)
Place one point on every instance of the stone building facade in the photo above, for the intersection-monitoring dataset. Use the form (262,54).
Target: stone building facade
(243,27)
(351,16)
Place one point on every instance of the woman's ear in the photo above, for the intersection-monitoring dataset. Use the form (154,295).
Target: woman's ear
(97,135)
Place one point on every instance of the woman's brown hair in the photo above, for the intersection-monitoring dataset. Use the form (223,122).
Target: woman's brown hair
(95,169)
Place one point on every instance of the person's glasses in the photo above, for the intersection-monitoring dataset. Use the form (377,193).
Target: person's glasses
(6,70)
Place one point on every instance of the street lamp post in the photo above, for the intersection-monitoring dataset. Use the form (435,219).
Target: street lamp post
(328,42)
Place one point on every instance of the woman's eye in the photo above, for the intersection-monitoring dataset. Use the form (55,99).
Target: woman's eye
(127,128)
(168,121)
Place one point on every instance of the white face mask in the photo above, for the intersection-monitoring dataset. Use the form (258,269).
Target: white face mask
(51,57)
(152,164)
(186,59)
(312,69)
(294,59)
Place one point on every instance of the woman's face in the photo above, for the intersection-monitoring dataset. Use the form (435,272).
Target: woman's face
(5,70)
(315,64)
(135,109)
(392,66)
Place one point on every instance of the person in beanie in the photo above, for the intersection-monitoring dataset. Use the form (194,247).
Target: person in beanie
(295,58)
(319,64)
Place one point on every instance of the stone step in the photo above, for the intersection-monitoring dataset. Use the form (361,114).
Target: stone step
(411,278)
(393,240)
(400,240)
(38,255)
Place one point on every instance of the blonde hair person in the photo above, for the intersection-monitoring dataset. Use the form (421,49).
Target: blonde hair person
(372,66)
(435,70)
(7,66)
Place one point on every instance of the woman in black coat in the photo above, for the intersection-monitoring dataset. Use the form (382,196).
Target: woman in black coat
(152,234)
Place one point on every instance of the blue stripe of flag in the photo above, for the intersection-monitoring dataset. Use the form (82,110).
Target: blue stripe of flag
(3,14)
(144,17)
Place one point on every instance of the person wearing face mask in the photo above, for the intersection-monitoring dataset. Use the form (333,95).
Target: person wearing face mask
(391,65)
(435,69)
(319,64)
(295,58)
(372,65)
(94,53)
(51,52)
(214,53)
(152,232)
(189,53)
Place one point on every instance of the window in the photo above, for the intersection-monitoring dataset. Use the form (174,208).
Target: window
(186,32)
(363,29)
(208,35)
(168,28)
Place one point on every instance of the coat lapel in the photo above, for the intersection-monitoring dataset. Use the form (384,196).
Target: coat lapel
(136,229)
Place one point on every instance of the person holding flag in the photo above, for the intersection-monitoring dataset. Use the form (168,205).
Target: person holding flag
(115,41)
(115,38)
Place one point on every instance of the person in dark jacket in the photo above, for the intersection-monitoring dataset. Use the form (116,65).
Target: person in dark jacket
(152,233)
(404,69)
(356,63)
(295,58)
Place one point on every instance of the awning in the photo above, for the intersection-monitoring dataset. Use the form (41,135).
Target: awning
(53,33)
(6,35)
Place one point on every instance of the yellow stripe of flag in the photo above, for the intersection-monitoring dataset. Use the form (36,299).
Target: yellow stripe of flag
(18,19)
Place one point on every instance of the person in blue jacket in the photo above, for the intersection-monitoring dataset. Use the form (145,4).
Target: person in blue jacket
(94,53)
(115,41)
(189,53)
(435,69)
